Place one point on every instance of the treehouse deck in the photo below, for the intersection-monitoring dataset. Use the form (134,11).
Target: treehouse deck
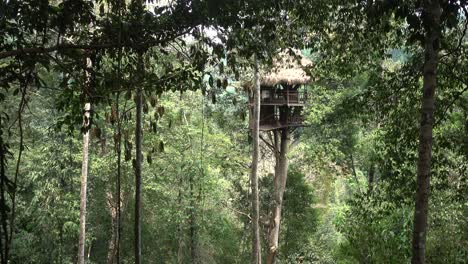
(268,126)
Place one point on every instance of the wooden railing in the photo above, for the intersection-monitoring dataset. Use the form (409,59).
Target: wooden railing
(295,119)
(284,97)
(275,119)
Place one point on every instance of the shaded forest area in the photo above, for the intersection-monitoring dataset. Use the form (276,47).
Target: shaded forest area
(131,131)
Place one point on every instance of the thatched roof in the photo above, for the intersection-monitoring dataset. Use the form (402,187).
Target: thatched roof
(287,69)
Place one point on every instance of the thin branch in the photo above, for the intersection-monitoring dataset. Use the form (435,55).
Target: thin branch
(460,41)
(180,50)
(236,211)
(21,107)
(57,61)
(458,78)
(267,143)
(455,98)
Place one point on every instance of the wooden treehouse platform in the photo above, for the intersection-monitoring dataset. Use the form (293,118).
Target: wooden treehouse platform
(281,107)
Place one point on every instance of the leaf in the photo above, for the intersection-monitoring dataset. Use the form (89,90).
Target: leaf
(221,68)
(153,101)
(96,132)
(160,111)
(211,81)
(128,95)
(161,146)
(113,114)
(101,10)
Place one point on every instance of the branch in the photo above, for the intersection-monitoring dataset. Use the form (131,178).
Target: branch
(460,41)
(267,143)
(57,61)
(21,107)
(240,212)
(455,76)
(236,211)
(455,98)
(62,47)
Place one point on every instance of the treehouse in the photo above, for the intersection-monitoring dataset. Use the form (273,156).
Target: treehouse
(282,93)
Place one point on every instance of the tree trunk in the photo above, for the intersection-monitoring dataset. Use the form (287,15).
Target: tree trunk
(119,136)
(84,184)
(180,249)
(118,187)
(89,250)
(371,178)
(255,125)
(4,252)
(192,220)
(180,229)
(431,14)
(21,107)
(112,250)
(138,162)
(279,185)
(353,169)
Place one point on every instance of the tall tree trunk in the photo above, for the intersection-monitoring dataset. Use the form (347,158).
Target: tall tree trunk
(4,252)
(180,229)
(180,249)
(255,125)
(112,249)
(119,136)
(84,184)
(431,15)
(118,187)
(279,185)
(193,223)
(138,161)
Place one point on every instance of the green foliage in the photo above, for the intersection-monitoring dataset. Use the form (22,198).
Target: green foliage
(299,216)
(381,229)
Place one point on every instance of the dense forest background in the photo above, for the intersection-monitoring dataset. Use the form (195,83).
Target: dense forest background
(182,67)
